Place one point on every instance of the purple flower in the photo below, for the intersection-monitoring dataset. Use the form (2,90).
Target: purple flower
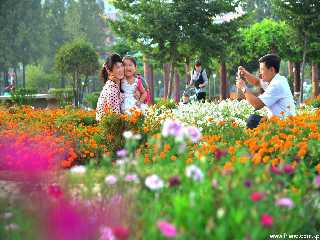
(174,181)
(154,182)
(317,181)
(194,172)
(285,202)
(248,183)
(172,128)
(122,153)
(167,229)
(220,153)
(110,179)
(193,134)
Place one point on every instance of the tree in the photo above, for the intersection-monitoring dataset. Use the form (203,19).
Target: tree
(166,26)
(78,59)
(304,17)
(267,36)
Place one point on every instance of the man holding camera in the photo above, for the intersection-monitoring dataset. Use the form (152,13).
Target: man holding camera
(277,96)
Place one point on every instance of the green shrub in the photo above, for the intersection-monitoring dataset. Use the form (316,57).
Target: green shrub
(23,96)
(112,126)
(63,95)
(167,103)
(91,99)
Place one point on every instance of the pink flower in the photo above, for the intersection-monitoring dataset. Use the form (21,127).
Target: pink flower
(167,229)
(55,191)
(285,202)
(266,220)
(275,170)
(257,196)
(288,169)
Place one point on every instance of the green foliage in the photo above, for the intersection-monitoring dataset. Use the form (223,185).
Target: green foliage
(23,96)
(112,127)
(63,95)
(39,79)
(166,103)
(265,37)
(91,99)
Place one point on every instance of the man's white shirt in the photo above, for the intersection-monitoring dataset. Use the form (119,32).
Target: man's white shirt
(278,97)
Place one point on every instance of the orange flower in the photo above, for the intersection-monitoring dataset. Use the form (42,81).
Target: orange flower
(231,150)
(228,166)
(318,168)
(173,158)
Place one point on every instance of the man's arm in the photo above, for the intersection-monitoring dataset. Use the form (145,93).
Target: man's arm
(253,100)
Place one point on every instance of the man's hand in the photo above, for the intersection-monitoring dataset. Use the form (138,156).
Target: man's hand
(243,72)
(202,85)
(241,84)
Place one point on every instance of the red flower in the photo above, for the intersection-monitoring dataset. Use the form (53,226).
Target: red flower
(257,196)
(121,233)
(266,220)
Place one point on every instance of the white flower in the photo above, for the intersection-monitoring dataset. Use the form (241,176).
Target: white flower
(127,134)
(137,137)
(7,215)
(220,213)
(110,179)
(154,182)
(96,188)
(106,234)
(194,173)
(11,227)
(78,169)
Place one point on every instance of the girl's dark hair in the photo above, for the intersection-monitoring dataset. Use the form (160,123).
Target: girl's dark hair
(131,58)
(108,65)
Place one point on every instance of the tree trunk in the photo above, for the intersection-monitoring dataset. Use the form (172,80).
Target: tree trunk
(148,75)
(187,71)
(23,75)
(296,80)
(62,81)
(303,67)
(151,85)
(177,87)
(6,78)
(75,97)
(166,77)
(223,84)
(171,80)
(315,80)
(290,70)
(15,78)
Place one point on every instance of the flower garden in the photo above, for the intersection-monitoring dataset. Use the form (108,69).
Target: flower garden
(182,172)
